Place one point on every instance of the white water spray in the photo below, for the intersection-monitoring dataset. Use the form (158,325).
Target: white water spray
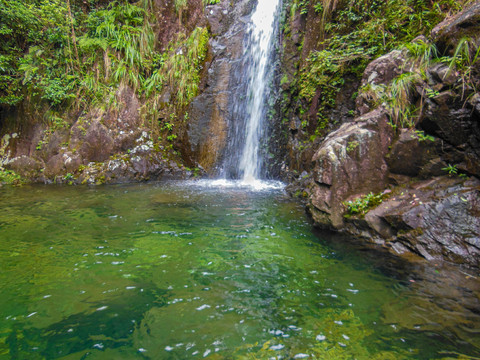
(262,38)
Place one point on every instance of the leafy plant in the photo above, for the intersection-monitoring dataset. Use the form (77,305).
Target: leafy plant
(451,169)
(352,145)
(210,2)
(421,136)
(9,177)
(361,205)
(422,52)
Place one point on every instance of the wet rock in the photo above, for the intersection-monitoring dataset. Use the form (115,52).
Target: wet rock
(52,144)
(447,118)
(97,143)
(411,155)
(54,166)
(442,73)
(384,69)
(474,102)
(72,161)
(379,72)
(210,112)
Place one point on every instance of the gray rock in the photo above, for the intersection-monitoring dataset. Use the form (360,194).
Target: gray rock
(448,33)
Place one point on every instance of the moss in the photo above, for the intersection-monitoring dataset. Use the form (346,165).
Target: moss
(10,177)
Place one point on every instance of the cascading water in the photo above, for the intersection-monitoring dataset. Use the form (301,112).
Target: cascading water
(263,29)
(243,160)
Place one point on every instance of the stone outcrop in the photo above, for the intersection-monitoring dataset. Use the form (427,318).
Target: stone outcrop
(99,147)
(448,33)
(349,161)
(427,175)
(436,219)
(116,145)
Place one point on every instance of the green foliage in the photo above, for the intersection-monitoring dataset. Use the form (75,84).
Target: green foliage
(178,70)
(34,51)
(363,204)
(352,145)
(9,177)
(356,31)
(451,169)
(183,64)
(421,136)
(210,2)
(118,45)
(399,98)
(422,52)
(464,59)
(56,57)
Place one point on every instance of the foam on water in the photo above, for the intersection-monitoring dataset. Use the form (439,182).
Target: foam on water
(250,184)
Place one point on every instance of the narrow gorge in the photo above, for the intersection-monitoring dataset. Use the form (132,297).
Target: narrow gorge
(274,178)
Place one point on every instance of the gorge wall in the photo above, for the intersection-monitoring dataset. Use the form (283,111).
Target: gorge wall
(398,165)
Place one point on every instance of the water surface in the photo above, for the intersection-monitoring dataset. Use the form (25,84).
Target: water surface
(180,271)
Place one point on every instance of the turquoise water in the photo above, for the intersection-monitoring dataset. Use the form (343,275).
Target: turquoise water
(180,271)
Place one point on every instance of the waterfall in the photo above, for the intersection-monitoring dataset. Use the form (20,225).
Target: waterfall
(243,158)
(262,36)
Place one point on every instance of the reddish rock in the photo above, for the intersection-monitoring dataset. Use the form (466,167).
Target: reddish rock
(26,166)
(350,161)
(97,144)
(379,72)
(436,219)
(412,156)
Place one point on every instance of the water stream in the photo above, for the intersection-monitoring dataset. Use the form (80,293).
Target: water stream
(190,271)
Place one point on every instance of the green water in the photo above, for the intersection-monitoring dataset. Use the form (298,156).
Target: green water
(179,271)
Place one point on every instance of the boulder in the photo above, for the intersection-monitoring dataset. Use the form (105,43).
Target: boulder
(350,161)
(211,113)
(379,72)
(26,166)
(457,124)
(97,143)
(436,219)
(411,155)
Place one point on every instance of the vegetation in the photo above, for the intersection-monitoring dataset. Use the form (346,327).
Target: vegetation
(57,56)
(7,176)
(451,169)
(363,204)
(378,27)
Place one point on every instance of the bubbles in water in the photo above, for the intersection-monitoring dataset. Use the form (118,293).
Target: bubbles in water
(251,185)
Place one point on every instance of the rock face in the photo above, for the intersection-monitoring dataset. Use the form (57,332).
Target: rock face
(436,219)
(111,145)
(427,208)
(448,33)
(99,147)
(212,113)
(350,160)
